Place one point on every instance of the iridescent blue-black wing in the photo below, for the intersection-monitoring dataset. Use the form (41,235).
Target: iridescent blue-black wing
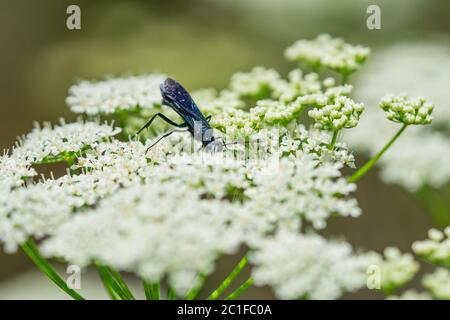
(175,96)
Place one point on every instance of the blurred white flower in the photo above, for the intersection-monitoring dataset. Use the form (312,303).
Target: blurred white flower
(299,84)
(404,68)
(308,266)
(212,103)
(258,83)
(396,269)
(325,51)
(436,249)
(411,295)
(418,158)
(109,96)
(438,283)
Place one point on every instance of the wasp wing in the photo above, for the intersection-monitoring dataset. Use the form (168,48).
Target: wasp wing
(175,96)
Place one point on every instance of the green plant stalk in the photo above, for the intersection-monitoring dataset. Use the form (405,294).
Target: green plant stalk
(32,251)
(122,284)
(344,78)
(369,164)
(111,284)
(333,139)
(242,288)
(193,293)
(152,290)
(229,279)
(171,294)
(107,284)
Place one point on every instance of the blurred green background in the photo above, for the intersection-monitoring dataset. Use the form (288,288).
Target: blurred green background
(201,43)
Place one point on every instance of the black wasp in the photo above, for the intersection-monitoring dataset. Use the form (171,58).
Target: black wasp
(175,96)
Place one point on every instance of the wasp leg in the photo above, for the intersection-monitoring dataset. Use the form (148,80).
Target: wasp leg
(208,118)
(149,122)
(165,136)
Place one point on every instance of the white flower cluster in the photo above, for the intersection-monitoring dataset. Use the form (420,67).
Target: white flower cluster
(316,142)
(396,269)
(51,141)
(308,266)
(279,102)
(310,190)
(151,231)
(109,96)
(424,148)
(299,84)
(300,188)
(328,52)
(255,84)
(332,103)
(438,283)
(403,109)
(36,210)
(343,113)
(436,249)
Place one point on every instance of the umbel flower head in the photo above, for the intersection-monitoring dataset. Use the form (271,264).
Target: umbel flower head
(403,109)
(343,113)
(328,52)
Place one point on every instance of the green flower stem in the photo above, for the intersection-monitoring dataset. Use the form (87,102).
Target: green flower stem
(243,287)
(171,294)
(32,251)
(344,78)
(229,279)
(193,293)
(122,284)
(106,280)
(111,285)
(333,139)
(152,290)
(363,170)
